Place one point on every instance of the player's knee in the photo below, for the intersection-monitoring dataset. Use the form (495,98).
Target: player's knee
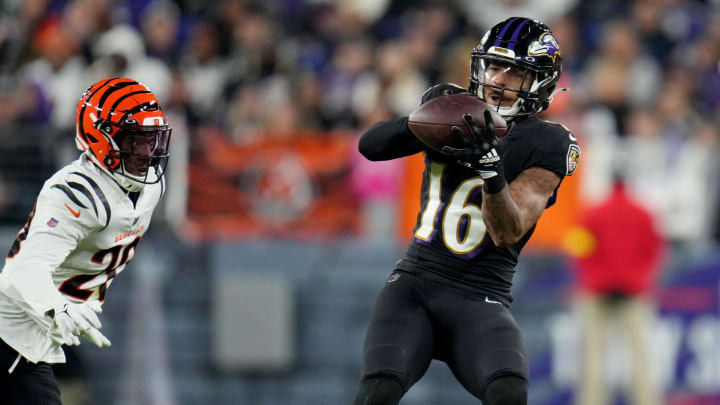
(507,390)
(384,359)
(379,390)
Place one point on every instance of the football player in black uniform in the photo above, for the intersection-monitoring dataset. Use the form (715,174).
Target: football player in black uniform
(448,298)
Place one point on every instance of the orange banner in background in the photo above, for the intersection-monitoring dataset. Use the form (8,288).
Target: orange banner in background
(410,196)
(287,185)
(561,217)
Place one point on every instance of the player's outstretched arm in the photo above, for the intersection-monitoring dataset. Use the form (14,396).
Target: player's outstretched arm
(393,139)
(511,212)
(388,140)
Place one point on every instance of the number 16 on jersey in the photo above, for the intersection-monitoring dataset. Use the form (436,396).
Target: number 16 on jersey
(457,238)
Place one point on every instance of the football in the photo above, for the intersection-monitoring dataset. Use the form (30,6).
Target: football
(433,121)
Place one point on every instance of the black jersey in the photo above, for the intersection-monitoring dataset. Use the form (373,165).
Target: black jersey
(450,240)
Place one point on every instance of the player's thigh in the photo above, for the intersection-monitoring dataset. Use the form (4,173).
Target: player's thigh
(29,383)
(36,384)
(399,339)
(486,344)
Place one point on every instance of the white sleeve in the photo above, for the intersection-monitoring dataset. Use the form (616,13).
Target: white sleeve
(52,234)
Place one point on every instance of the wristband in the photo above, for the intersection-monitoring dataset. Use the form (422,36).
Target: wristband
(494,184)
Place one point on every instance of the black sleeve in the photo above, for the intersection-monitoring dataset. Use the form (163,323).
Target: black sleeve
(388,140)
(540,143)
(556,149)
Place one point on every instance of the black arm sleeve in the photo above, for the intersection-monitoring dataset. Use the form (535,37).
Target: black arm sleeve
(388,140)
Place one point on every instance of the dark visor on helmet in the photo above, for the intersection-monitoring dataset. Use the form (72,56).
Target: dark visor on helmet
(143,149)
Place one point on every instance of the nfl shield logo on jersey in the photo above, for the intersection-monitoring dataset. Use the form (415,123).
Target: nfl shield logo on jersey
(52,223)
(393,277)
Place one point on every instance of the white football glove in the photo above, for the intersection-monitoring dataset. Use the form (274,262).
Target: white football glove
(75,320)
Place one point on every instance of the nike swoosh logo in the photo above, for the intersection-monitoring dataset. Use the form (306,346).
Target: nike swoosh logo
(76,214)
(572,138)
(489,301)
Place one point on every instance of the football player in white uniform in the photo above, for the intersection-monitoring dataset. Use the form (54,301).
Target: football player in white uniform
(83,230)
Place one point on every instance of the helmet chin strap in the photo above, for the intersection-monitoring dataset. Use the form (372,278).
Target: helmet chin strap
(559,90)
(127,184)
(124,182)
(509,112)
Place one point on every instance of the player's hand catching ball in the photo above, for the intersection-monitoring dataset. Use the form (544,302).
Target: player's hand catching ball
(442,89)
(484,152)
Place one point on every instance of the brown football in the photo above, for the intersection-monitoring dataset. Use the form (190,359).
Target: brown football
(432,122)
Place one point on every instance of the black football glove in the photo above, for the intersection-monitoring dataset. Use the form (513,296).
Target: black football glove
(442,89)
(484,151)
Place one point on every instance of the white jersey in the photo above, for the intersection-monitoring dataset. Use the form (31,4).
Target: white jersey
(80,235)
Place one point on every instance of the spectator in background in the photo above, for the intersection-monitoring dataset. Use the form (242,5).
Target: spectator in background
(621,75)
(86,20)
(674,146)
(245,115)
(59,67)
(486,13)
(647,18)
(398,78)
(18,22)
(253,50)
(618,251)
(160,24)
(121,52)
(344,76)
(203,71)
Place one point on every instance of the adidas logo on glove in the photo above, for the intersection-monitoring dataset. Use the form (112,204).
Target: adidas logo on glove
(490,157)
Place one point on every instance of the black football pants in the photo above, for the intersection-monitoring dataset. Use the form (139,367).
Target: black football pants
(29,383)
(416,320)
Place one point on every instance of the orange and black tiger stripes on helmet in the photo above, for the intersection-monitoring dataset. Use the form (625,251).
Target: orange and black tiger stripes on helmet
(110,111)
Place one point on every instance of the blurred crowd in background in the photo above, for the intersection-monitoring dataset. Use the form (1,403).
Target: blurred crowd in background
(643,77)
(268,98)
